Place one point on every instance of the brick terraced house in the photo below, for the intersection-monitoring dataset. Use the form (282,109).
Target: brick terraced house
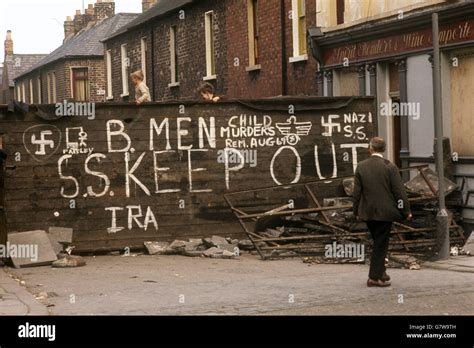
(15,64)
(75,70)
(245,48)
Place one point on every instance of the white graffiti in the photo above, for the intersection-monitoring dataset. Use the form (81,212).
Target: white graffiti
(42,141)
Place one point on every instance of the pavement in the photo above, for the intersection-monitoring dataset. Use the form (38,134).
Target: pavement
(457,264)
(15,299)
(179,285)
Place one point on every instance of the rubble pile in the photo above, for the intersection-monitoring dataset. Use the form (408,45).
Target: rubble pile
(329,223)
(216,247)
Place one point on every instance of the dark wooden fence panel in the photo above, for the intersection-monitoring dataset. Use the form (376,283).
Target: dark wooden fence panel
(158,172)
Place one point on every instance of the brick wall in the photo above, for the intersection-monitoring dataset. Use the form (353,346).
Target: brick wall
(62,69)
(301,75)
(232,51)
(133,42)
(191,53)
(258,83)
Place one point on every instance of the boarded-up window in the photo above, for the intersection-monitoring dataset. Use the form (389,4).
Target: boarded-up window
(462,112)
(348,82)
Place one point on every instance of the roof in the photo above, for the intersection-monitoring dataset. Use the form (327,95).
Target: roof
(86,43)
(17,64)
(161,8)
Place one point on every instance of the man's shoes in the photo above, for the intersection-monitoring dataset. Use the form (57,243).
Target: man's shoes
(385,277)
(379,283)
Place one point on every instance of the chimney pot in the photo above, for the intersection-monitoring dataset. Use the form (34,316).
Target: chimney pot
(9,44)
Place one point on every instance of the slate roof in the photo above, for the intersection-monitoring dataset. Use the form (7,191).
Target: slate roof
(17,64)
(161,8)
(86,43)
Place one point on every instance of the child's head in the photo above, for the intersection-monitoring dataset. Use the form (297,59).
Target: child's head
(206,90)
(137,77)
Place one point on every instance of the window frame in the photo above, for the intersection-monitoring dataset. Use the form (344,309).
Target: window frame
(210,46)
(74,78)
(253,35)
(299,26)
(144,54)
(108,58)
(174,59)
(125,62)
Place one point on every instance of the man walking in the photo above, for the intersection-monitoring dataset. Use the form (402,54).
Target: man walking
(379,199)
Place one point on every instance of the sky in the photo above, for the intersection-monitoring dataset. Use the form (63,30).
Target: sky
(37,25)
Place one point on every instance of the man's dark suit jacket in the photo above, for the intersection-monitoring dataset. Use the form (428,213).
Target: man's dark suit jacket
(378,191)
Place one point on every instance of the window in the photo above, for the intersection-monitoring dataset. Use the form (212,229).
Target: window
(299,30)
(144,55)
(39,96)
(174,56)
(110,94)
(80,84)
(18,92)
(23,92)
(53,78)
(125,65)
(210,47)
(48,77)
(253,30)
(340,9)
(30,99)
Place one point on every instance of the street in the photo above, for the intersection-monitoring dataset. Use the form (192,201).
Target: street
(177,285)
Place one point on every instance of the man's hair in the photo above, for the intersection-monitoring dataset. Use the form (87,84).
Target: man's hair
(206,87)
(138,74)
(378,144)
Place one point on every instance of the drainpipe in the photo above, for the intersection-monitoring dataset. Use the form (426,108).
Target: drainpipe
(284,65)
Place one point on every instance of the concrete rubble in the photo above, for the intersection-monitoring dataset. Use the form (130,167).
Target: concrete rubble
(216,247)
(69,261)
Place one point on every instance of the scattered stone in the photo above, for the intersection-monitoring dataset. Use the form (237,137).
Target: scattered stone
(233,248)
(246,245)
(156,248)
(114,253)
(224,255)
(69,262)
(193,245)
(215,241)
(212,251)
(40,251)
(406,261)
(469,246)
(192,253)
(271,233)
(177,247)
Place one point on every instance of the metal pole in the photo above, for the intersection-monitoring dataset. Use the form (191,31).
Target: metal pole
(442,218)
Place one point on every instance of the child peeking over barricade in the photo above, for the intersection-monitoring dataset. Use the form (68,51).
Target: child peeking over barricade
(206,90)
(142,93)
